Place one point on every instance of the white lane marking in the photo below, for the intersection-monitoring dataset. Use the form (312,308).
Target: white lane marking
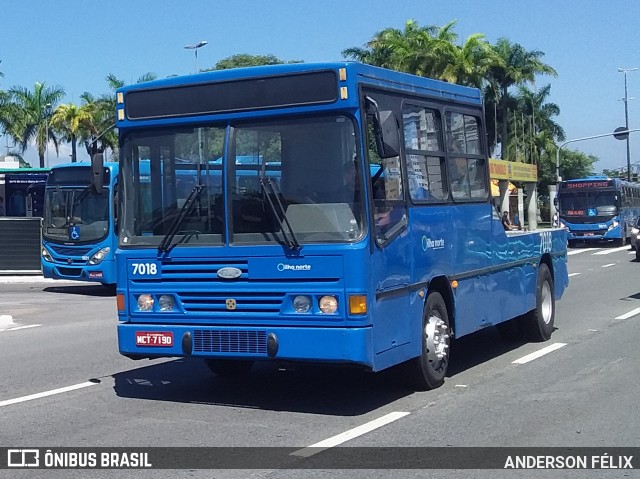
(348,435)
(629,314)
(537,354)
(607,265)
(583,250)
(22,327)
(612,250)
(53,392)
(573,274)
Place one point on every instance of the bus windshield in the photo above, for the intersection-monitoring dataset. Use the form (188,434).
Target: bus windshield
(593,203)
(76,214)
(289,182)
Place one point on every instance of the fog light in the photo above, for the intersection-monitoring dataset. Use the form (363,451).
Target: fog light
(328,304)
(145,302)
(302,304)
(166,302)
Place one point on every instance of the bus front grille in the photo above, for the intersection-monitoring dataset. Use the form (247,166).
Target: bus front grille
(235,341)
(232,302)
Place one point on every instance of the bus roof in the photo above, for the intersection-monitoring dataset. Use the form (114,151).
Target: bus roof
(86,164)
(333,84)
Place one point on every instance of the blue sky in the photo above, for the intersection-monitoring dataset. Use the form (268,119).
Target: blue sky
(76,43)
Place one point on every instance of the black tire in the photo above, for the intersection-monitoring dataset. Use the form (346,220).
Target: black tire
(428,370)
(571,243)
(229,368)
(111,288)
(637,254)
(538,323)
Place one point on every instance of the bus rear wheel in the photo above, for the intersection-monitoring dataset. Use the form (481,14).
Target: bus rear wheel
(229,368)
(538,323)
(428,370)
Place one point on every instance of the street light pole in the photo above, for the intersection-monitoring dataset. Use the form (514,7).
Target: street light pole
(195,47)
(626,117)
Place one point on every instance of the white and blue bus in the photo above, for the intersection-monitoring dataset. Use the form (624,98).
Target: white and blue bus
(598,208)
(362,233)
(79,229)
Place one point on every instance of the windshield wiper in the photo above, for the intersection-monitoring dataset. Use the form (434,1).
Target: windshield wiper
(165,244)
(267,185)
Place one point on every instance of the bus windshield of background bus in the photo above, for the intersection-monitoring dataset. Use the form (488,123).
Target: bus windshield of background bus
(75,214)
(304,172)
(589,203)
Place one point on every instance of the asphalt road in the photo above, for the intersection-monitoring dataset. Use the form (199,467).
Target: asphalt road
(582,392)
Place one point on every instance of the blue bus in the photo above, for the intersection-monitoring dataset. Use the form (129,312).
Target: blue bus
(598,208)
(362,233)
(79,229)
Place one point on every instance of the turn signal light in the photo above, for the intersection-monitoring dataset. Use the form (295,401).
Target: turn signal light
(120,302)
(357,304)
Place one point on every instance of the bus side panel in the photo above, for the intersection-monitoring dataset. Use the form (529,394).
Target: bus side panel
(472,261)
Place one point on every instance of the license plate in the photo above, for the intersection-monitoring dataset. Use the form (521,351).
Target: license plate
(588,234)
(154,339)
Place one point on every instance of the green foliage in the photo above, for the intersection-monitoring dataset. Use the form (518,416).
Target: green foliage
(245,60)
(573,164)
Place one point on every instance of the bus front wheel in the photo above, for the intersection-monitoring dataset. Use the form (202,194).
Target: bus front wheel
(538,323)
(229,368)
(428,370)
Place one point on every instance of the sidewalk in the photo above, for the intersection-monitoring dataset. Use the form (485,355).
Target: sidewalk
(37,278)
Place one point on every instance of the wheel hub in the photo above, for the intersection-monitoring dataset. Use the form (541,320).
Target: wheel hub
(437,339)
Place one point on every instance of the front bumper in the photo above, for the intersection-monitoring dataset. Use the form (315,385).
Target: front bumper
(314,344)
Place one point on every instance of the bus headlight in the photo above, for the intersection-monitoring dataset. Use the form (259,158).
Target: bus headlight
(328,304)
(165,302)
(301,304)
(99,256)
(46,255)
(612,225)
(145,302)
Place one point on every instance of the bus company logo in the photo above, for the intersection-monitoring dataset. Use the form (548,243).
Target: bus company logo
(428,243)
(23,458)
(229,273)
(293,267)
(546,241)
(231,304)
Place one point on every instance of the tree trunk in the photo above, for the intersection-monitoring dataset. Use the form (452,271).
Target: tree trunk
(73,149)
(41,155)
(505,121)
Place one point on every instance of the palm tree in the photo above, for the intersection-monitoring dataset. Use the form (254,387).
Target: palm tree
(418,50)
(518,66)
(469,63)
(70,120)
(97,133)
(30,114)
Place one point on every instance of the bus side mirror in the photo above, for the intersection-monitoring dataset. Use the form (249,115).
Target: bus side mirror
(389,142)
(555,201)
(97,172)
(386,130)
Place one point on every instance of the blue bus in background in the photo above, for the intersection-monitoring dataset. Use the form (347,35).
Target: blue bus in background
(598,208)
(361,232)
(79,229)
